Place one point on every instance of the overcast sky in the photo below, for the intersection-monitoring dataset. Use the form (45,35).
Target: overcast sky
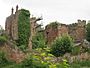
(64,11)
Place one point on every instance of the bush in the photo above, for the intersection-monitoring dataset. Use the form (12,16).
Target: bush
(88,31)
(42,59)
(32,62)
(76,50)
(81,64)
(3,39)
(61,46)
(38,41)
(3,60)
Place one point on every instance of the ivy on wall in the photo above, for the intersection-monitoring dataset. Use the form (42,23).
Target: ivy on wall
(23,28)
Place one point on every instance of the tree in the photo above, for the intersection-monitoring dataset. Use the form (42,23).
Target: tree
(88,31)
(61,45)
(3,39)
(38,41)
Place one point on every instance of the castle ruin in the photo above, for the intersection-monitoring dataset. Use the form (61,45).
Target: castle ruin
(11,26)
(76,30)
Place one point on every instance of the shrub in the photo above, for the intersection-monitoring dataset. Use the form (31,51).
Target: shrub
(80,64)
(32,62)
(76,50)
(3,60)
(38,41)
(2,39)
(61,45)
(88,31)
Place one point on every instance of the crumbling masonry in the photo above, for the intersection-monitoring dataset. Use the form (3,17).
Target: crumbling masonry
(76,30)
(11,26)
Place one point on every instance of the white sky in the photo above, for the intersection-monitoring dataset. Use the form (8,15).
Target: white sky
(64,11)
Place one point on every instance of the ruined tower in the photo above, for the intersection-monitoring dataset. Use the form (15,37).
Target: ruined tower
(11,25)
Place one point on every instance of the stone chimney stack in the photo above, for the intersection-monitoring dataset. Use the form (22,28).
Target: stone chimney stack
(12,10)
(79,21)
(84,21)
(16,8)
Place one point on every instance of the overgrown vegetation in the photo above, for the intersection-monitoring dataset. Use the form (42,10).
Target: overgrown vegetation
(76,50)
(54,24)
(81,64)
(62,45)
(4,62)
(23,28)
(3,39)
(88,31)
(38,41)
(41,58)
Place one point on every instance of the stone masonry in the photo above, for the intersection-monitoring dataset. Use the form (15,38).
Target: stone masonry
(76,30)
(33,25)
(11,25)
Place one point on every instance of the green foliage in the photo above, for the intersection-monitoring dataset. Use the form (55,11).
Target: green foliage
(38,41)
(27,63)
(76,50)
(64,64)
(42,59)
(23,28)
(88,32)
(34,61)
(3,39)
(54,24)
(61,45)
(3,60)
(81,64)
(2,57)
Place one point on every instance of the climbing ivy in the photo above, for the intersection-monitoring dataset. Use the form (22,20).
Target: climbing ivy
(23,28)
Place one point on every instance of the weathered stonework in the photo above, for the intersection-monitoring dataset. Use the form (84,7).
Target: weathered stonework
(33,25)
(52,32)
(13,52)
(76,30)
(11,25)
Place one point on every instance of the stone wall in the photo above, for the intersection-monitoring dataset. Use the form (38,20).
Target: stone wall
(11,25)
(12,52)
(33,25)
(50,33)
(62,29)
(76,30)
